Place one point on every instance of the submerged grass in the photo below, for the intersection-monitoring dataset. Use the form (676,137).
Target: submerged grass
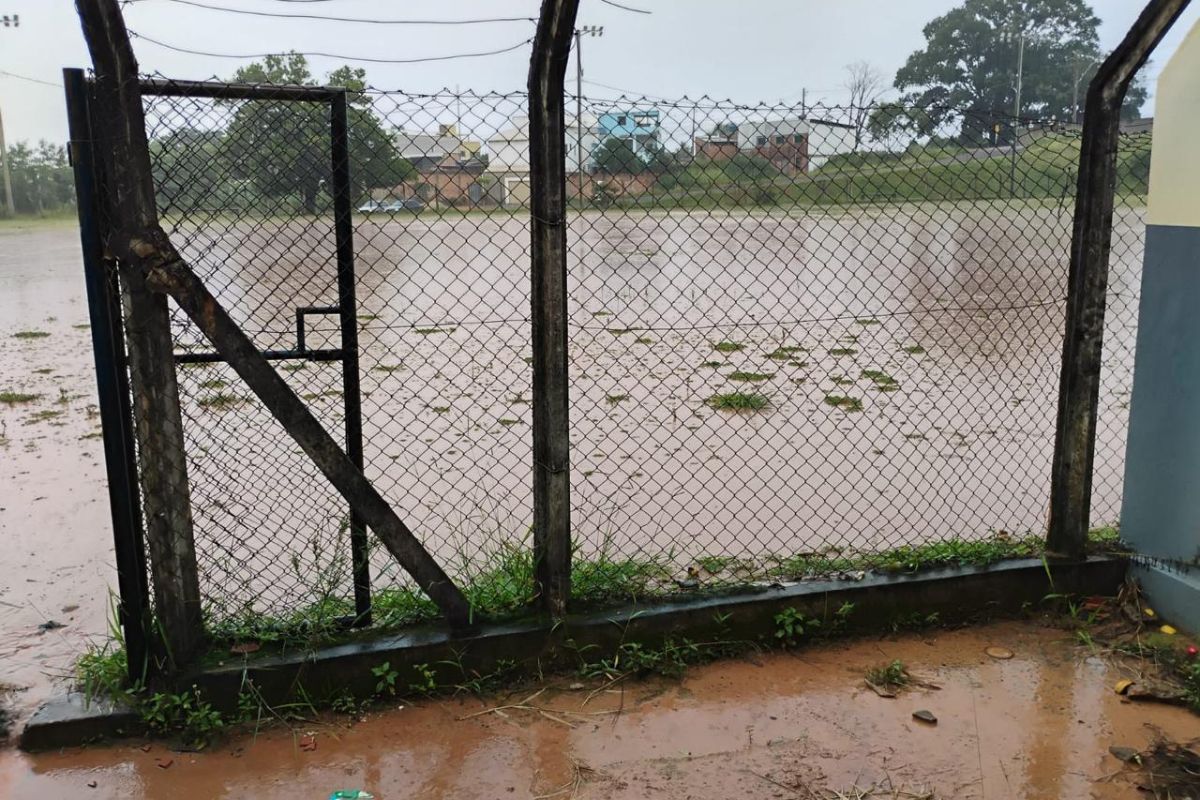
(30,335)
(737,401)
(843,402)
(728,347)
(13,398)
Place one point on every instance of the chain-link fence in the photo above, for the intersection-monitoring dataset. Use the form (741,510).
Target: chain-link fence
(798,336)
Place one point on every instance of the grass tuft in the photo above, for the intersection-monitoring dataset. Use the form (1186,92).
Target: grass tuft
(220,400)
(785,353)
(613,399)
(842,351)
(913,349)
(737,401)
(13,398)
(728,347)
(30,335)
(751,377)
(843,402)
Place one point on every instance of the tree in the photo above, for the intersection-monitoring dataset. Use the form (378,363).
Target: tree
(864,84)
(283,148)
(41,177)
(968,67)
(617,156)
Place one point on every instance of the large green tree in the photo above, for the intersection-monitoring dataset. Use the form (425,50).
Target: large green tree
(41,177)
(283,147)
(968,68)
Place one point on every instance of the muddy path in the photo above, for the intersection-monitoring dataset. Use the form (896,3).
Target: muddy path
(55,530)
(773,726)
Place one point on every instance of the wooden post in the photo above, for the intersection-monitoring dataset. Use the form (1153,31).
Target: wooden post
(1087,281)
(139,242)
(548,271)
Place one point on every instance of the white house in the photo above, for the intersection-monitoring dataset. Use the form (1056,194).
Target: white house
(508,154)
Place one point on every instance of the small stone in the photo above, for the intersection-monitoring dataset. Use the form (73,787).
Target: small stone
(1126,754)
(575,687)
(925,716)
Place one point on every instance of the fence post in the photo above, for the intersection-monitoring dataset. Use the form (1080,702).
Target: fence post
(1087,281)
(548,273)
(112,385)
(343,224)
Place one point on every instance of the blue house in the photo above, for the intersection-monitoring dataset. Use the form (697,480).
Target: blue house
(639,127)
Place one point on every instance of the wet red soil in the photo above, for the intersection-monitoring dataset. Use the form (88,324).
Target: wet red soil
(775,725)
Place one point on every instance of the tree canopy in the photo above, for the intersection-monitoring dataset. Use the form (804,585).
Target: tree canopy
(283,147)
(968,67)
(617,156)
(41,178)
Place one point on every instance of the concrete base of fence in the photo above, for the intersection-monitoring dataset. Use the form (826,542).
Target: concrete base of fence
(73,719)
(1174,593)
(529,647)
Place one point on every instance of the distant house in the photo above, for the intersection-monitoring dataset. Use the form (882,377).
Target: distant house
(639,127)
(796,144)
(425,150)
(448,169)
(508,155)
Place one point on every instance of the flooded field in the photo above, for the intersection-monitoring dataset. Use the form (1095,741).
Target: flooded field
(944,326)
(780,725)
(906,361)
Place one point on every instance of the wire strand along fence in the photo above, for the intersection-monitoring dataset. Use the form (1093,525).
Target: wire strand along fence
(794,341)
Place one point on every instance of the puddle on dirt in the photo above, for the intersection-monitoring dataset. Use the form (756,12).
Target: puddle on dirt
(1036,726)
(55,530)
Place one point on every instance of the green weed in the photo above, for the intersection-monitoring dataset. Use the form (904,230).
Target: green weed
(385,679)
(891,676)
(750,377)
(913,349)
(43,416)
(713,364)
(222,400)
(30,335)
(791,625)
(842,351)
(843,402)
(508,422)
(643,340)
(387,369)
(883,382)
(728,347)
(431,331)
(13,398)
(867,321)
(785,353)
(613,399)
(737,401)
(215,383)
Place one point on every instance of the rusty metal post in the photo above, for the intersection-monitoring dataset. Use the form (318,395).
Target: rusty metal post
(1087,281)
(548,272)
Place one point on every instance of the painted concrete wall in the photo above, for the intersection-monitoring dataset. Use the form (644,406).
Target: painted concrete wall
(1160,513)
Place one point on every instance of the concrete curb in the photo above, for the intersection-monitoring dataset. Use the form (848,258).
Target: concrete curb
(881,602)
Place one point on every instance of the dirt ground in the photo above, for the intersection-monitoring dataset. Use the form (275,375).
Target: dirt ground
(781,725)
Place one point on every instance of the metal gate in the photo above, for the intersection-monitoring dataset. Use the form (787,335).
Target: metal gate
(237,523)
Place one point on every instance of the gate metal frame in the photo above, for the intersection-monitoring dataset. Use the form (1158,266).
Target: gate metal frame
(108,337)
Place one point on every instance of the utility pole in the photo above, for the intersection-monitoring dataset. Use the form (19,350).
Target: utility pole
(10,208)
(1012,172)
(586,30)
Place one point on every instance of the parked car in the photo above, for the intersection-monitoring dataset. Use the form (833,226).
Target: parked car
(407,204)
(369,206)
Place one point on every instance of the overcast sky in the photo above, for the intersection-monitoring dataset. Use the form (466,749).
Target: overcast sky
(747,50)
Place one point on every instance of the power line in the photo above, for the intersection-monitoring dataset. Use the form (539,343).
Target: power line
(189,51)
(626,8)
(328,18)
(31,80)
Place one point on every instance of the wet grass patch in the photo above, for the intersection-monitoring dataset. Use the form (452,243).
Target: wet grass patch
(883,382)
(432,331)
(843,351)
(728,347)
(220,400)
(867,321)
(214,383)
(737,401)
(613,399)
(321,395)
(785,353)
(508,422)
(843,402)
(44,415)
(643,340)
(30,335)
(713,364)
(913,349)
(16,398)
(750,377)
(387,369)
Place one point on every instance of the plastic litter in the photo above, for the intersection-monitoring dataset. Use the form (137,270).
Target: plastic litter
(351,794)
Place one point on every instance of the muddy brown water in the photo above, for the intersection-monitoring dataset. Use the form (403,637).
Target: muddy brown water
(961,448)
(773,726)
